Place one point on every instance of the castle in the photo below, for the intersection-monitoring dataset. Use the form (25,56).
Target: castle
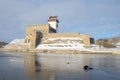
(39,33)
(42,37)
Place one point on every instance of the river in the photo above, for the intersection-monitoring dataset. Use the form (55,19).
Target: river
(50,66)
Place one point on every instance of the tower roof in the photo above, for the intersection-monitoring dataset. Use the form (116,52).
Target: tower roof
(53,18)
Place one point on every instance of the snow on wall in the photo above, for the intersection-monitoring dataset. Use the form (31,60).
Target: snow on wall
(61,46)
(118,45)
(62,43)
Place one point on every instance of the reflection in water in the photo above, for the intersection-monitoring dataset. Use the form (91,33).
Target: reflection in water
(29,66)
(70,66)
(33,71)
(46,66)
(62,62)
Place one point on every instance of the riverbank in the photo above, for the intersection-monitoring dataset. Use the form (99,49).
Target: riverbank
(116,52)
(62,51)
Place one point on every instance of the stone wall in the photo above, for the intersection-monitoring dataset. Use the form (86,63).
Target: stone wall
(62,35)
(45,32)
(44,28)
(34,32)
(85,37)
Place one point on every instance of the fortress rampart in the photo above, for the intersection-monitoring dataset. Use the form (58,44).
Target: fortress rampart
(83,37)
(37,33)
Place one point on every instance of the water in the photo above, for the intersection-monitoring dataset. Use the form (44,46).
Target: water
(46,66)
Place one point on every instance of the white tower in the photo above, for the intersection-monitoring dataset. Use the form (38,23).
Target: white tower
(53,21)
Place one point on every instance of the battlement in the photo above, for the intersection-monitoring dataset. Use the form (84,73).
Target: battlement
(40,25)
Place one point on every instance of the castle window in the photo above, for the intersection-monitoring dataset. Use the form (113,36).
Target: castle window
(28,40)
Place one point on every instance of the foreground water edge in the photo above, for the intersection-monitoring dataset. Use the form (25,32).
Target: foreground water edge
(56,66)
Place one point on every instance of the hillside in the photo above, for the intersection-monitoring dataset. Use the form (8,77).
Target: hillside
(2,43)
(109,42)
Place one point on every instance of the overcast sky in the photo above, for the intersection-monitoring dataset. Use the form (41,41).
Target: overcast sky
(99,18)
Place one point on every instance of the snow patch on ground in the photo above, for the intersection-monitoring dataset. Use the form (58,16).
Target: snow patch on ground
(62,41)
(118,45)
(61,46)
(17,41)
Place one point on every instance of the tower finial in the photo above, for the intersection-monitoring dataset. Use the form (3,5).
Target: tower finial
(53,21)
(53,18)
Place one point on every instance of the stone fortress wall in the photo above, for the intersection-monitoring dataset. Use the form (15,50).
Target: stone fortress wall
(84,37)
(36,34)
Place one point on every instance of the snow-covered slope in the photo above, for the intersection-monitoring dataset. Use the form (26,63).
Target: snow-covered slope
(62,43)
(61,46)
(17,44)
(17,41)
(118,45)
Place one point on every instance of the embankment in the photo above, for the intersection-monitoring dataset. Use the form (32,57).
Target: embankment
(116,52)
(56,51)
